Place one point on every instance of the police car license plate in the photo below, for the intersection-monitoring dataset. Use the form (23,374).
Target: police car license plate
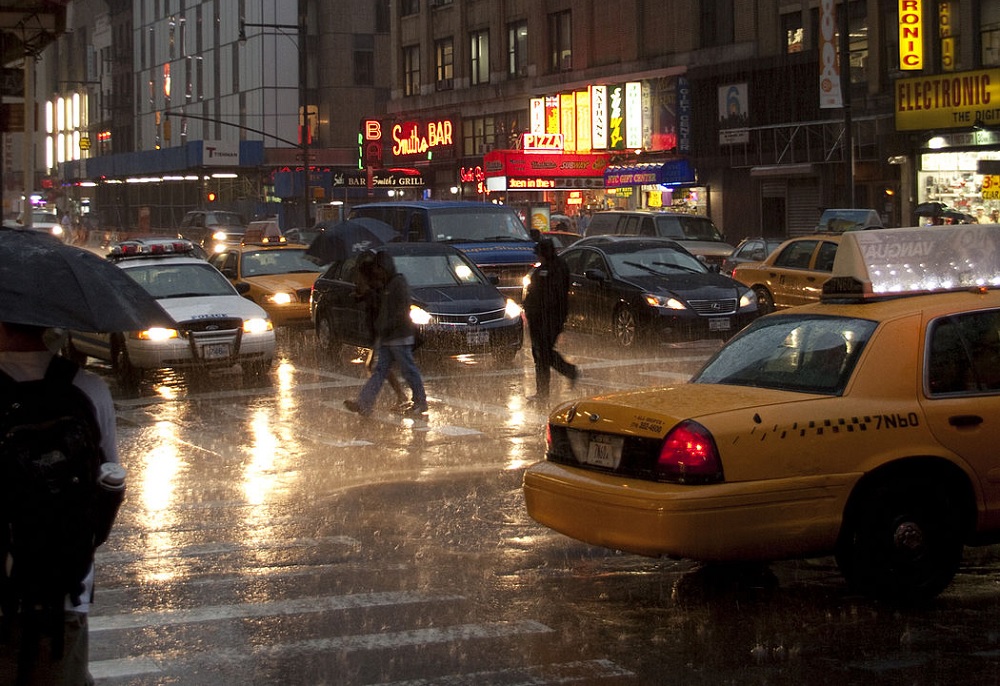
(719,324)
(215,351)
(477,337)
(605,451)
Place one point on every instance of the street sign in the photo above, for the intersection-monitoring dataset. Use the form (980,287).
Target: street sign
(12,82)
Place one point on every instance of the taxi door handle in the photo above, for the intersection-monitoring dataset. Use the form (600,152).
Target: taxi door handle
(962,420)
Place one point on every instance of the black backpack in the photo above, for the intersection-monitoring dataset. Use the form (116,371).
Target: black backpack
(49,498)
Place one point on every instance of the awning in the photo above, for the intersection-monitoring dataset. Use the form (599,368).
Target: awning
(672,173)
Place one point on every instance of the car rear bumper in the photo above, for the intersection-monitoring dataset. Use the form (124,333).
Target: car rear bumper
(764,520)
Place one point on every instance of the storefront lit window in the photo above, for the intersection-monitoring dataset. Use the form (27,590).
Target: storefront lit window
(479,53)
(517,49)
(989,22)
(411,70)
(561,41)
(444,60)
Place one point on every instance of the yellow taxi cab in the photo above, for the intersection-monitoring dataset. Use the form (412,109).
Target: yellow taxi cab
(278,275)
(793,274)
(863,426)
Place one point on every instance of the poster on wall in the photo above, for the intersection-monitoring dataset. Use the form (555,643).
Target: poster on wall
(829,66)
(733,114)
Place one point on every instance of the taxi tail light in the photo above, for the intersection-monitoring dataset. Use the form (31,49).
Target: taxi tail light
(689,455)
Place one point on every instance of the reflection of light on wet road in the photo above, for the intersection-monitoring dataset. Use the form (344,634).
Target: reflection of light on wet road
(520,454)
(157,473)
(259,475)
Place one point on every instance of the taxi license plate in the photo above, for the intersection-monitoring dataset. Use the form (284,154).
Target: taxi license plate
(477,337)
(605,451)
(719,324)
(215,351)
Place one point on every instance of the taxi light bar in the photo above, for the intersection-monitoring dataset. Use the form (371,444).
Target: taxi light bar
(884,262)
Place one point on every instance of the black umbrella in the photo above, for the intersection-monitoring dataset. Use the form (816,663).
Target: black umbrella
(340,240)
(44,282)
(930,209)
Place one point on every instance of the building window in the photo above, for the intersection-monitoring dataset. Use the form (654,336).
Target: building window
(989,23)
(716,24)
(408,7)
(792,32)
(561,41)
(444,60)
(517,49)
(479,54)
(948,30)
(478,136)
(364,59)
(858,42)
(411,70)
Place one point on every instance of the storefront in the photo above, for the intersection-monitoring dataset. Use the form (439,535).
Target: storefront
(670,185)
(958,160)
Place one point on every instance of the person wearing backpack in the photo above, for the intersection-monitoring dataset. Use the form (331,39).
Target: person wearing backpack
(57,429)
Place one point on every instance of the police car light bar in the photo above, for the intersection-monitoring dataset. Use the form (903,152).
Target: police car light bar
(881,262)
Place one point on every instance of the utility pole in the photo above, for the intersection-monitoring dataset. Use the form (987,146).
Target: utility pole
(845,95)
(305,130)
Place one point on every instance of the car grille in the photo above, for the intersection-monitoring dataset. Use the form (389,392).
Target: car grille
(302,295)
(639,454)
(466,319)
(707,308)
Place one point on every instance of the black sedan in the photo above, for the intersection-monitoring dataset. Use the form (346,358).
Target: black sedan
(635,287)
(457,308)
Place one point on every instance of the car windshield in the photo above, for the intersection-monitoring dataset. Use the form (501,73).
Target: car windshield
(437,270)
(810,354)
(655,261)
(187,280)
(226,219)
(460,226)
(285,261)
(689,228)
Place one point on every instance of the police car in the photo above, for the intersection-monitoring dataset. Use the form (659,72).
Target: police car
(216,326)
(863,426)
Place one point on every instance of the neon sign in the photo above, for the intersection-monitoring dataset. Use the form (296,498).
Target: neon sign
(417,138)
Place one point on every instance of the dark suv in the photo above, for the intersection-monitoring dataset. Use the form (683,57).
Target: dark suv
(696,233)
(209,228)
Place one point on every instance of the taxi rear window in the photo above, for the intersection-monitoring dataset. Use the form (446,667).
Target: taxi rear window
(809,354)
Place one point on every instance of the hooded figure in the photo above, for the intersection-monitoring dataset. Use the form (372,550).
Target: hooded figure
(546,304)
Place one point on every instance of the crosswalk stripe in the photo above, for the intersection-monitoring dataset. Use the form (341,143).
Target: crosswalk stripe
(533,675)
(215,613)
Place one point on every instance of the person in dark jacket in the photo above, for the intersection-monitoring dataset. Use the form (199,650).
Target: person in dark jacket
(395,335)
(546,304)
(365,291)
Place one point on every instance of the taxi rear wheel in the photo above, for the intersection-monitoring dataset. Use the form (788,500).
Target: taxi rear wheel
(902,539)
(765,301)
(624,327)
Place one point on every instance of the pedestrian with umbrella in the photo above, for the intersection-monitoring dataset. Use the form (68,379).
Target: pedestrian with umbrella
(340,240)
(46,585)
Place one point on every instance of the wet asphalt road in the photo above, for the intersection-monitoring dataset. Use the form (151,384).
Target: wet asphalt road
(271,537)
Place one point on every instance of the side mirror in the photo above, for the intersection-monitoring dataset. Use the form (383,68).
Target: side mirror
(595,275)
(230,274)
(242,287)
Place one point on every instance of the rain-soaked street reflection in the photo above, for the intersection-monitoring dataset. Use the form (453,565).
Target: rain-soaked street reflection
(271,537)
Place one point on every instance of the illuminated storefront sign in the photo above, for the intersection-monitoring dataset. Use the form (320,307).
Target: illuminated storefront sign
(552,120)
(599,117)
(616,117)
(633,115)
(518,170)
(416,138)
(911,35)
(567,112)
(532,184)
(537,110)
(380,178)
(956,100)
(536,142)
(583,125)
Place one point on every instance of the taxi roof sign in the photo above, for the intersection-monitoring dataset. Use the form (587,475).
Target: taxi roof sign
(916,260)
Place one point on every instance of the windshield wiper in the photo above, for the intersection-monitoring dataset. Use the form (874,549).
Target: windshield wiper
(679,266)
(645,267)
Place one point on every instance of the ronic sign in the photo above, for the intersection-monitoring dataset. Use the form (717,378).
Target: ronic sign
(911,48)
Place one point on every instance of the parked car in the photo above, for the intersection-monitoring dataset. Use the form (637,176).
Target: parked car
(696,233)
(491,235)
(863,426)
(754,249)
(793,274)
(216,326)
(456,307)
(653,288)
(278,276)
(212,229)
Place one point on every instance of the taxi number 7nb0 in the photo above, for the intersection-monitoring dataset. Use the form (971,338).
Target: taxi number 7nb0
(604,451)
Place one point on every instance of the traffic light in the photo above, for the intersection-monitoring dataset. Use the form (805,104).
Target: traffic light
(211,196)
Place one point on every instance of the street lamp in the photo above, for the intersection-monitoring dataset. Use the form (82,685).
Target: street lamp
(304,128)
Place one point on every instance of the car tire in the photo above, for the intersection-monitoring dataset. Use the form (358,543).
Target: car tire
(902,539)
(624,327)
(325,335)
(125,373)
(765,301)
(70,352)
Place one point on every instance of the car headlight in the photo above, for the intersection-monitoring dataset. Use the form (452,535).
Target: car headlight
(419,316)
(748,299)
(512,310)
(280,298)
(664,301)
(156,334)
(57,230)
(219,236)
(257,325)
